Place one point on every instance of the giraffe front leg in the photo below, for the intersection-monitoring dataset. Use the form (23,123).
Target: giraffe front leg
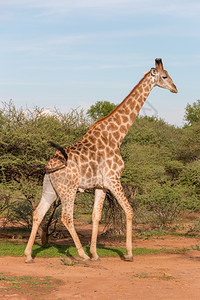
(117,190)
(96,216)
(48,197)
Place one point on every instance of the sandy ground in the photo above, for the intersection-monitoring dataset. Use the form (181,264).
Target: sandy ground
(163,276)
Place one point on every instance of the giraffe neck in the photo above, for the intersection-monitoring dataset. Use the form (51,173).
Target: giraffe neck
(119,121)
(125,114)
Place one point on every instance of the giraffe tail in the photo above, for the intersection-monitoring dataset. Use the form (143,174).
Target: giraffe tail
(61,149)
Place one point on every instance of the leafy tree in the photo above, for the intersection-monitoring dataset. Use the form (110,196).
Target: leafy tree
(192,113)
(100,109)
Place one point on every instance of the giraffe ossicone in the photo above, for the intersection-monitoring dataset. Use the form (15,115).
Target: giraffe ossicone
(95,162)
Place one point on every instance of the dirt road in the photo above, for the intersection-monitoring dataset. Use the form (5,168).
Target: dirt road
(163,276)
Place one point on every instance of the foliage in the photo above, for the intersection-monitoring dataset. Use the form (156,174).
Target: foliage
(21,212)
(189,149)
(165,202)
(190,175)
(100,109)
(194,228)
(24,152)
(25,135)
(192,113)
(161,175)
(4,202)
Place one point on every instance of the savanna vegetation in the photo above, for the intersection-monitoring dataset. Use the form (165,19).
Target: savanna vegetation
(161,177)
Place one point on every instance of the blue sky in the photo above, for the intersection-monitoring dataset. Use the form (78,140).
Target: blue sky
(72,53)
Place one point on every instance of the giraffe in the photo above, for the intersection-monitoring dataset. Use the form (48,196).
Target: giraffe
(95,162)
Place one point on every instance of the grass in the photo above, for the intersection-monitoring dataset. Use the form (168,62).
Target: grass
(195,247)
(28,284)
(15,249)
(163,276)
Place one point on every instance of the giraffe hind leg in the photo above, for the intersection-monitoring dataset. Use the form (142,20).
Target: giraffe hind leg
(117,190)
(48,197)
(67,217)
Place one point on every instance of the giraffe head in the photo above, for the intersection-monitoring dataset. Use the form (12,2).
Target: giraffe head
(161,77)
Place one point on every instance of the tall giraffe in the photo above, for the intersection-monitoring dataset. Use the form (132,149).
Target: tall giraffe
(95,162)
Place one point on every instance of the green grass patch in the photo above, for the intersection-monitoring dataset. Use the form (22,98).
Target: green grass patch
(28,284)
(13,249)
(163,276)
(195,247)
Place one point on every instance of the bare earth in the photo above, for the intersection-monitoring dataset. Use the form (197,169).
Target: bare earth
(163,276)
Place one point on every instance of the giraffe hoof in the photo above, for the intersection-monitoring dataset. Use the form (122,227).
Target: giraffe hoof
(95,259)
(87,258)
(29,261)
(128,257)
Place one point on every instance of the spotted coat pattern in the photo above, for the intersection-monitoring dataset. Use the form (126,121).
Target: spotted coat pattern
(95,162)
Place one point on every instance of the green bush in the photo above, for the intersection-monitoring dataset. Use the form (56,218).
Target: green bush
(24,152)
(161,164)
(165,202)
(20,213)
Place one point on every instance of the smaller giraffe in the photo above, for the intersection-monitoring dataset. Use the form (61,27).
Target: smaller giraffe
(95,162)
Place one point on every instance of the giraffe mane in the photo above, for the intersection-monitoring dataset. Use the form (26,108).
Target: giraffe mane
(116,108)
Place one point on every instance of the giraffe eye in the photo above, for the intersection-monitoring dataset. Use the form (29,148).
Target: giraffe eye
(164,77)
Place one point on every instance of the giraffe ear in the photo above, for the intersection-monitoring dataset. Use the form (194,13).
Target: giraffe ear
(154,72)
(159,64)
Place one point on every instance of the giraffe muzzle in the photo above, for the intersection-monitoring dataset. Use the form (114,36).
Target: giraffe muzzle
(174,89)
